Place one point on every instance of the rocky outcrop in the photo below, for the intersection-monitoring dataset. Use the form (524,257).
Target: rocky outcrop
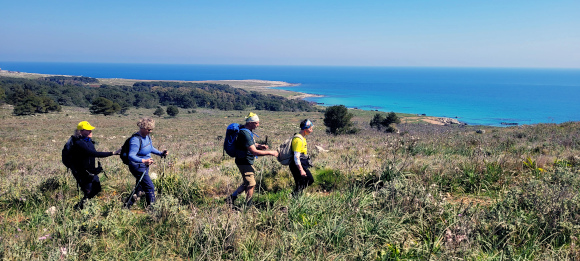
(450,121)
(320,149)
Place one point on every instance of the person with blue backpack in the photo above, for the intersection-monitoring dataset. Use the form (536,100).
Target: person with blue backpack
(82,154)
(246,150)
(140,159)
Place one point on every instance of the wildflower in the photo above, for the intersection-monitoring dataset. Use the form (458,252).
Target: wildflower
(63,251)
(541,170)
(19,230)
(51,211)
(459,215)
(47,236)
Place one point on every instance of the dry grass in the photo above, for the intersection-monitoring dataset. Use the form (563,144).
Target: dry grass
(430,192)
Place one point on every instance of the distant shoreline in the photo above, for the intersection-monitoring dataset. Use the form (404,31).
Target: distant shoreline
(263,86)
(250,85)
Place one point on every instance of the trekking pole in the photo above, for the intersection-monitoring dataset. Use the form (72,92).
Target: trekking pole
(134,189)
(164,165)
(163,173)
(260,187)
(100,167)
(76,181)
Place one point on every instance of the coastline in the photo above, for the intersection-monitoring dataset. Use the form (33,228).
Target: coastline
(263,86)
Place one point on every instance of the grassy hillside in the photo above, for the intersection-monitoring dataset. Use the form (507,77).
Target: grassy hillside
(428,193)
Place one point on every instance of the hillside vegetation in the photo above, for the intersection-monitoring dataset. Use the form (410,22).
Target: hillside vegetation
(49,93)
(427,193)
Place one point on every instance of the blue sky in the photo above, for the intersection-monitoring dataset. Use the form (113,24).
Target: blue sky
(462,33)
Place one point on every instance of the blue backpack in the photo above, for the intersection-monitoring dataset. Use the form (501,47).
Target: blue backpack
(231,135)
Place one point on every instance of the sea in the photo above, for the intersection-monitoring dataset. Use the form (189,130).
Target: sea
(476,96)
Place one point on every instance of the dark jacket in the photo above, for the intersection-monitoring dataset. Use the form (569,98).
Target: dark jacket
(243,155)
(84,154)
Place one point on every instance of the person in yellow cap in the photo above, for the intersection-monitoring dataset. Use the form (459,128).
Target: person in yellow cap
(247,150)
(83,161)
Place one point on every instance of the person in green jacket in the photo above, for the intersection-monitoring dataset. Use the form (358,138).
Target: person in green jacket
(247,150)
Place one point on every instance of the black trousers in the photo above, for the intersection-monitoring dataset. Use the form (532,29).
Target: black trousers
(301,181)
(90,185)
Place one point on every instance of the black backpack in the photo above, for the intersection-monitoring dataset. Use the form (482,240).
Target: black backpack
(67,153)
(126,146)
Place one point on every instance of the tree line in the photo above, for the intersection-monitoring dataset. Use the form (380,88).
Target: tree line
(30,96)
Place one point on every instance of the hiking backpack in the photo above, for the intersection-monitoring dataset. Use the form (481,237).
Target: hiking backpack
(285,152)
(124,155)
(67,154)
(232,132)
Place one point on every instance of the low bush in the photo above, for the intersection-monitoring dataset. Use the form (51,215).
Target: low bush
(328,179)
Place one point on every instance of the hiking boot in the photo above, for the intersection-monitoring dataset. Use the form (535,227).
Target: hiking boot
(137,196)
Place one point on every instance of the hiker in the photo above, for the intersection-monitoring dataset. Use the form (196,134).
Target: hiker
(83,162)
(140,159)
(300,163)
(247,151)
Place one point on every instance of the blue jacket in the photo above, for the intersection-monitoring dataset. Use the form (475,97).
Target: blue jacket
(136,154)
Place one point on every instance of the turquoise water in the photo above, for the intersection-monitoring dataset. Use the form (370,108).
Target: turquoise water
(486,96)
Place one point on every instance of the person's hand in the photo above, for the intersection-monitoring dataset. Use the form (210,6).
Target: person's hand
(147,161)
(303,173)
(275,153)
(117,152)
(164,153)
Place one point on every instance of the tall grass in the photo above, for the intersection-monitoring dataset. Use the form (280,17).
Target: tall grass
(428,193)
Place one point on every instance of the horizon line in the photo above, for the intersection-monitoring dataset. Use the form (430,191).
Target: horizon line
(295,65)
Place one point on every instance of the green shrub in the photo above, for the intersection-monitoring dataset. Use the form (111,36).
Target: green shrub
(104,106)
(159,112)
(337,120)
(328,179)
(379,121)
(28,103)
(176,186)
(172,110)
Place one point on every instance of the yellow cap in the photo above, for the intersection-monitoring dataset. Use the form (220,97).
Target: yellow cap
(84,125)
(252,117)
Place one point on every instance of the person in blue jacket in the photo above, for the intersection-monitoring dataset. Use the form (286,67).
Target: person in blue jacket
(140,155)
(83,162)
